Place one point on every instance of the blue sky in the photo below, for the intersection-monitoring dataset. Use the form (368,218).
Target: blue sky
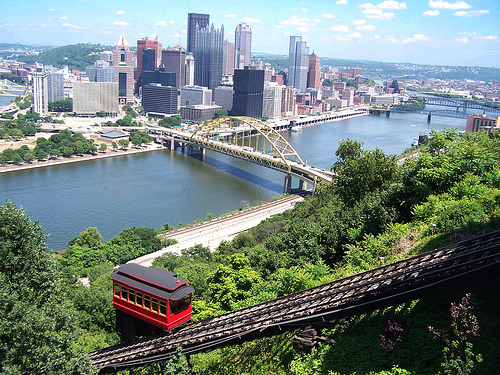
(416,31)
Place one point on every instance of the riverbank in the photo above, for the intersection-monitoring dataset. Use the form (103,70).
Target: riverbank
(75,159)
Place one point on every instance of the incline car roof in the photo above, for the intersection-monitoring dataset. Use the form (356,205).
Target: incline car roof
(156,277)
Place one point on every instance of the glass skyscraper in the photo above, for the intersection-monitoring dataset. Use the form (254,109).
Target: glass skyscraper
(298,58)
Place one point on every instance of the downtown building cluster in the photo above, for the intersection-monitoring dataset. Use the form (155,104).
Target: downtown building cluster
(210,74)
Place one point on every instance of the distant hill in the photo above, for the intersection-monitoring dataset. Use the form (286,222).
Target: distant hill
(75,56)
(390,70)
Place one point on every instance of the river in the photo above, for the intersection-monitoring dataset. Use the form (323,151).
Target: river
(170,187)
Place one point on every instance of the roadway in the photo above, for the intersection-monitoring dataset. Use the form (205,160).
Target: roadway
(211,233)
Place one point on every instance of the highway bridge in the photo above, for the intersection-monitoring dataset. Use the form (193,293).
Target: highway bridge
(456,266)
(457,103)
(219,135)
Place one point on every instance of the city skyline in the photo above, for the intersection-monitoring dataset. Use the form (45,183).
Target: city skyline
(433,32)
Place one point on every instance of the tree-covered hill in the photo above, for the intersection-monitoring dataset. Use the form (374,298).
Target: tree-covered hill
(75,56)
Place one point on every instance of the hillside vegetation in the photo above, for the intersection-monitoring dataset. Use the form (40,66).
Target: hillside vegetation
(374,212)
(75,56)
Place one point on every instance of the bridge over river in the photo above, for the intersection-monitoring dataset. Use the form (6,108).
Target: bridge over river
(274,152)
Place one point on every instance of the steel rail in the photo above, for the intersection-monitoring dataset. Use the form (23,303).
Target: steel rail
(407,279)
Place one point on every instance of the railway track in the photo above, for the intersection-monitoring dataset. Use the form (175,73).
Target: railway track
(415,277)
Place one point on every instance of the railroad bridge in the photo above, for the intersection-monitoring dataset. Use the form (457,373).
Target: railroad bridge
(274,152)
(455,266)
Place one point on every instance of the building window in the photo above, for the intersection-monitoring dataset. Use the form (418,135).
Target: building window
(122,84)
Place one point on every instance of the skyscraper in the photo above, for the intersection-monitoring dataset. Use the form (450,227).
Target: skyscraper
(242,45)
(208,57)
(248,92)
(189,70)
(298,57)
(40,93)
(202,20)
(228,63)
(142,44)
(174,59)
(124,70)
(313,72)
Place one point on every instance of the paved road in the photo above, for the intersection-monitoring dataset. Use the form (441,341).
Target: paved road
(212,233)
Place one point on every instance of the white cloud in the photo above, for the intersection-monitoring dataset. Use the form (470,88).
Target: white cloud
(296,21)
(340,28)
(171,22)
(121,23)
(120,13)
(328,15)
(316,20)
(431,13)
(286,33)
(251,20)
(470,13)
(303,10)
(439,4)
(462,40)
(487,37)
(106,32)
(366,27)
(65,18)
(52,10)
(378,14)
(415,38)
(366,6)
(72,26)
(355,34)
(341,2)
(391,4)
(231,15)
(161,23)
(304,29)
(359,22)
(177,35)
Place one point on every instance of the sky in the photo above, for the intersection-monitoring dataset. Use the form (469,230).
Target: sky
(433,32)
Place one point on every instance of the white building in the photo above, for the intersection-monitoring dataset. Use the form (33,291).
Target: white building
(189,70)
(194,95)
(40,93)
(90,98)
(271,106)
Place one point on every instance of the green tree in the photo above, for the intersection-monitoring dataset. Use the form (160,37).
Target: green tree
(123,143)
(37,325)
(220,113)
(103,147)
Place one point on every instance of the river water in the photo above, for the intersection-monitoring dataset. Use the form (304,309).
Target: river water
(170,187)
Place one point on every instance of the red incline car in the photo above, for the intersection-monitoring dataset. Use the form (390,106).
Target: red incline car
(148,300)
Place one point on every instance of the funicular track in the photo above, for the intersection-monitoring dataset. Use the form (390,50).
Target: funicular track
(420,276)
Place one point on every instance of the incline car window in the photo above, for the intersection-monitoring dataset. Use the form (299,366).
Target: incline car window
(138,298)
(117,290)
(180,305)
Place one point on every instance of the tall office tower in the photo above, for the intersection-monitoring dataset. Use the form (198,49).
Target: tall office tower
(242,45)
(271,106)
(189,70)
(208,57)
(287,101)
(124,70)
(202,20)
(148,59)
(101,71)
(174,59)
(298,57)
(228,63)
(313,72)
(159,100)
(142,44)
(356,72)
(55,83)
(40,93)
(248,92)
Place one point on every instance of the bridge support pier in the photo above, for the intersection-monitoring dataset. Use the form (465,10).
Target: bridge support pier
(429,118)
(172,143)
(195,150)
(388,113)
(287,187)
(302,184)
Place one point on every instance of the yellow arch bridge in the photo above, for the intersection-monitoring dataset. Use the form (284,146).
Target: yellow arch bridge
(230,135)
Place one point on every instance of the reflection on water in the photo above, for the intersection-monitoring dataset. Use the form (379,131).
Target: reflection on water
(170,187)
